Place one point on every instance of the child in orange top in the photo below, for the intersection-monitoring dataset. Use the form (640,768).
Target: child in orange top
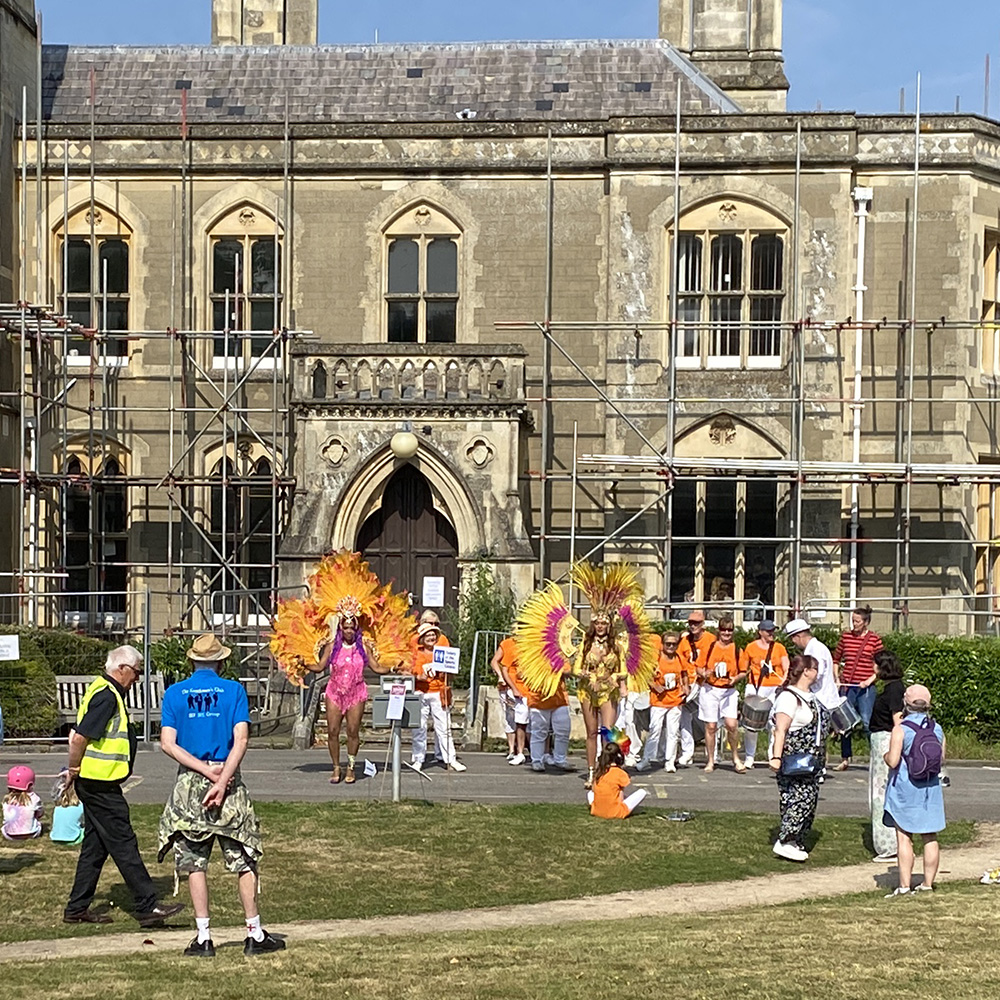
(606,800)
(719,698)
(667,693)
(435,697)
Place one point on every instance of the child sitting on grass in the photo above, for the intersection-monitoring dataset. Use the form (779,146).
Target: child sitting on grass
(22,808)
(606,799)
(67,816)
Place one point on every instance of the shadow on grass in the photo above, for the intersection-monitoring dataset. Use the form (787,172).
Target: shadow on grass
(18,862)
(120,897)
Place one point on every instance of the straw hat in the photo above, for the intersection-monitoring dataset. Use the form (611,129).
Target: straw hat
(427,627)
(207,649)
(797,625)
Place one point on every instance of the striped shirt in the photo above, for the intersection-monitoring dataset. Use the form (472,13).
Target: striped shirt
(856,653)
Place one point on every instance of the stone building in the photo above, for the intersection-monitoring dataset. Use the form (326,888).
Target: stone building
(518,302)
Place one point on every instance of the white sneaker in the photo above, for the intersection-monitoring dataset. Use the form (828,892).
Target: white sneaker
(643,765)
(884,859)
(417,765)
(457,765)
(748,762)
(900,890)
(510,756)
(685,761)
(517,759)
(789,851)
(670,768)
(631,760)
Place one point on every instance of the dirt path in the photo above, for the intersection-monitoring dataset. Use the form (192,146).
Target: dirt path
(961,864)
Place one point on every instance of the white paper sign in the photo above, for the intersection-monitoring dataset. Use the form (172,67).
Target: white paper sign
(446,659)
(370,769)
(397,695)
(10,647)
(433,595)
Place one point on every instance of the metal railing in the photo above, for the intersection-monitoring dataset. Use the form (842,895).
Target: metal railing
(483,648)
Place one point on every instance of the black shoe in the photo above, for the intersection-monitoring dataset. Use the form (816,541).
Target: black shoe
(269,944)
(204,950)
(158,914)
(85,917)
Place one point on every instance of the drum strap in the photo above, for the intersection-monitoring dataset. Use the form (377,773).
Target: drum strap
(767,659)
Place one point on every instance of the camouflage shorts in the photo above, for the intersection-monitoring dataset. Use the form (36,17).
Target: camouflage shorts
(192,855)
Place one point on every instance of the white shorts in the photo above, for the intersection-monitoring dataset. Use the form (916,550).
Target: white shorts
(521,712)
(718,703)
(507,703)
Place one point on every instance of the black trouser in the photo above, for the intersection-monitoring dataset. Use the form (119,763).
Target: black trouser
(108,830)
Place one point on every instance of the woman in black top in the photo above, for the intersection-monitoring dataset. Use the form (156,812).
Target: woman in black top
(886,713)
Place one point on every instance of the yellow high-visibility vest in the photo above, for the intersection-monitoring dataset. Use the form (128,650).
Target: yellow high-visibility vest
(106,759)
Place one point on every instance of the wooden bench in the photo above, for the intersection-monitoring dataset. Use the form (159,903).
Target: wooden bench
(71,688)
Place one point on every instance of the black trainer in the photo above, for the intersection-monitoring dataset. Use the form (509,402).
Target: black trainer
(204,950)
(269,944)
(159,913)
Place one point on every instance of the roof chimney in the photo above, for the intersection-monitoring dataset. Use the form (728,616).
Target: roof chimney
(265,22)
(737,43)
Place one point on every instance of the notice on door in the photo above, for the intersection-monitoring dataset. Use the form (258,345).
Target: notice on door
(433,592)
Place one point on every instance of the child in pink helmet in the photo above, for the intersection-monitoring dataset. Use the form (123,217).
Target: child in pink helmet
(22,808)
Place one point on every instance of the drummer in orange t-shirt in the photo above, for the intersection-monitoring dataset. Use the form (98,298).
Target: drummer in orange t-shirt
(435,697)
(545,715)
(668,691)
(765,662)
(504,662)
(718,698)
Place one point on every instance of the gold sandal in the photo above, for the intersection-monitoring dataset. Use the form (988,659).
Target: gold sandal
(350,777)
(335,778)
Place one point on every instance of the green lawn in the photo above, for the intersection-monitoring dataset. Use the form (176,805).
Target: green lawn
(359,860)
(844,949)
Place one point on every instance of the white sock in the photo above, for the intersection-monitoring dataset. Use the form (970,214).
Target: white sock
(203,932)
(254,929)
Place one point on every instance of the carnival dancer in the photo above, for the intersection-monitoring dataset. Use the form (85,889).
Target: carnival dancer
(668,691)
(765,662)
(606,799)
(616,644)
(435,700)
(348,622)
(718,698)
(514,694)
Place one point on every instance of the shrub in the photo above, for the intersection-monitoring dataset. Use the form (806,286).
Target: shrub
(484,605)
(27,691)
(69,652)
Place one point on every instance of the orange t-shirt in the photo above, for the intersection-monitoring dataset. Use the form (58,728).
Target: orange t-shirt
(508,659)
(752,658)
(608,802)
(442,640)
(726,655)
(694,653)
(430,685)
(672,697)
(557,700)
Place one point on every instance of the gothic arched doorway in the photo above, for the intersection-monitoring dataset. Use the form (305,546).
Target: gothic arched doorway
(406,539)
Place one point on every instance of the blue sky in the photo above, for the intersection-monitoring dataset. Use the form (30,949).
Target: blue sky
(840,54)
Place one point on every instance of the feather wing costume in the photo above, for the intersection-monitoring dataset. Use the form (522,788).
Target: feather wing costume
(637,645)
(297,632)
(548,638)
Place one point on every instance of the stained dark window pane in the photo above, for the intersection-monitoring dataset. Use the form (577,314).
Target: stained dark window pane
(765,341)
(762,508)
(216,510)
(682,573)
(720,509)
(113,256)
(441,322)
(442,266)
(77,508)
(725,339)
(262,318)
(111,509)
(727,264)
(404,267)
(78,311)
(766,253)
(403,322)
(262,259)
(759,580)
(689,263)
(227,260)
(720,573)
(77,553)
(688,312)
(219,318)
(78,265)
(684,508)
(117,314)
(319,382)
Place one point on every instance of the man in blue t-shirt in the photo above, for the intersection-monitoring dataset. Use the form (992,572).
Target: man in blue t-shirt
(205,728)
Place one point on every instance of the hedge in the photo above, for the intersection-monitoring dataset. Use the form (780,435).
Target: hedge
(28,690)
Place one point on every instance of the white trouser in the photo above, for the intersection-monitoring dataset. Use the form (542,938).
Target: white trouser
(670,719)
(633,702)
(631,801)
(507,703)
(749,736)
(430,705)
(542,720)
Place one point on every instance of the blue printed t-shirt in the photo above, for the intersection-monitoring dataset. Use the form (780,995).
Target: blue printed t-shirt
(204,709)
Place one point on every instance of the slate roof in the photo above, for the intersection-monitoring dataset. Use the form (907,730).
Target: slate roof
(493,81)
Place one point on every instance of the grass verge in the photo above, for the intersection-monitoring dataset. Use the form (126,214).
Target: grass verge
(343,860)
(821,948)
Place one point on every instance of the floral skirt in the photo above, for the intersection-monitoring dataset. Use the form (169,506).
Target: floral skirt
(798,797)
(883,837)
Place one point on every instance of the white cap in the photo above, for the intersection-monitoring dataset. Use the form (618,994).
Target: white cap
(797,625)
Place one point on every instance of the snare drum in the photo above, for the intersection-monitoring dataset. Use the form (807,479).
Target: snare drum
(755,713)
(844,718)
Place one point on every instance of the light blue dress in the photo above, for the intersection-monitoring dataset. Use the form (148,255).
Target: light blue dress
(914,806)
(67,824)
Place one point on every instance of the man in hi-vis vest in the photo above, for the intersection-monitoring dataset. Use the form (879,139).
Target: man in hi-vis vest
(101,754)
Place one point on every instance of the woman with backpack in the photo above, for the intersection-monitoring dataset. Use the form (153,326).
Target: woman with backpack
(914,801)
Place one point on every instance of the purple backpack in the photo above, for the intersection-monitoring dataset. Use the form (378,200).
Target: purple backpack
(926,755)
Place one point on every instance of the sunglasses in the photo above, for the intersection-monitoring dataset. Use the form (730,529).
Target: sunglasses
(726,630)
(670,644)
(696,621)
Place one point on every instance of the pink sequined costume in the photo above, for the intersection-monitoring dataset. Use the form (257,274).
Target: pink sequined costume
(346,686)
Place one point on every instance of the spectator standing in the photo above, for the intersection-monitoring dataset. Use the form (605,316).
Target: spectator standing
(854,655)
(914,803)
(887,713)
(101,756)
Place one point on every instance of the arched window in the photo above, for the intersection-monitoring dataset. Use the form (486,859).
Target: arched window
(94,257)
(319,381)
(422,277)
(730,286)
(245,292)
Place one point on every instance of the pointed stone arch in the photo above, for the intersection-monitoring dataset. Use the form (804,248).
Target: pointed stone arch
(727,435)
